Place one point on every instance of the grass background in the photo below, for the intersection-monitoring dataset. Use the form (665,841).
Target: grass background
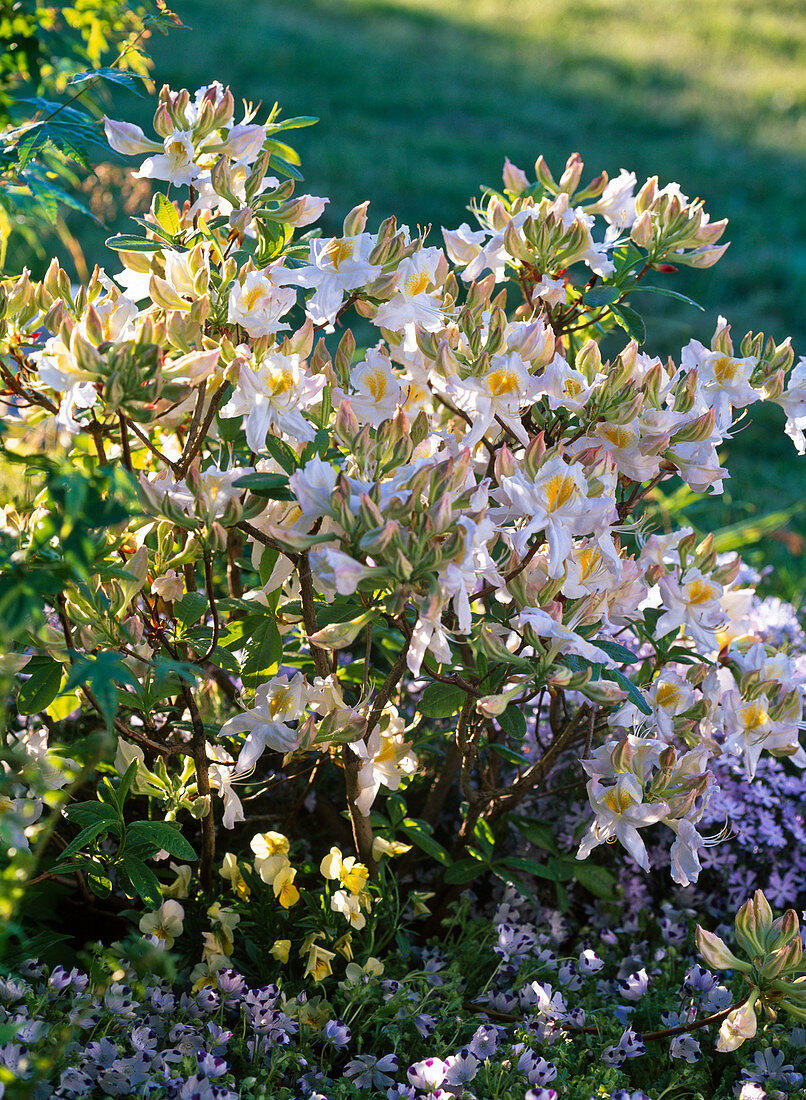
(420,100)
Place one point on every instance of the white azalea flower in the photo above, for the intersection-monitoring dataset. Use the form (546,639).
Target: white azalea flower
(271,392)
(277,702)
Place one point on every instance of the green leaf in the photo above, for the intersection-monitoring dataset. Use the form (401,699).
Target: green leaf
(263,650)
(282,453)
(125,242)
(668,294)
(441,701)
(114,76)
(512,756)
(601,296)
(292,123)
(126,781)
(513,722)
(266,486)
(42,685)
(415,831)
(464,870)
(536,832)
(166,215)
(484,837)
(631,322)
(190,608)
(145,882)
(626,683)
(530,866)
(85,813)
(617,652)
(162,835)
(86,836)
(597,880)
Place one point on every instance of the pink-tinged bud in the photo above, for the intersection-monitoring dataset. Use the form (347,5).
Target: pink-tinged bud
(505,464)
(569,180)
(753,923)
(128,139)
(783,929)
(739,1025)
(785,960)
(544,175)
(710,232)
(309,209)
(162,121)
(356,220)
(646,196)
(702,257)
(346,426)
(514,178)
(642,232)
(621,757)
(717,954)
(534,454)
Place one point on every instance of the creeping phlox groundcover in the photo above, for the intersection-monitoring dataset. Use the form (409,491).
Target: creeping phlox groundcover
(261,547)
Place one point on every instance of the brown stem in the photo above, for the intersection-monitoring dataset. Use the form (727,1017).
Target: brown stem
(198,747)
(318,655)
(208,581)
(234,578)
(362,827)
(150,446)
(124,442)
(438,794)
(192,449)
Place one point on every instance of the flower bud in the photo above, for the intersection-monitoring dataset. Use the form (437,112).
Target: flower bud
(356,220)
(717,954)
(514,178)
(753,923)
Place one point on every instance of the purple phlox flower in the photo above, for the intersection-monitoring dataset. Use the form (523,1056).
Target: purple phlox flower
(502,1002)
(210,1065)
(425,1024)
(631,1044)
(162,1001)
(609,937)
(60,979)
(782,888)
(198,1088)
(484,1041)
(115,1081)
(613,1056)
(337,1032)
(462,1068)
(718,998)
(685,1047)
(100,1055)
(551,1006)
(589,962)
(540,1094)
(186,1038)
(143,1038)
(208,999)
(371,1072)
(390,987)
(219,1035)
(769,1065)
(29,1031)
(567,976)
(623,1013)
(514,940)
(428,1074)
(699,980)
(538,1070)
(671,930)
(577,1017)
(74,1082)
(231,984)
(625,1094)
(118,1001)
(401,1092)
(634,987)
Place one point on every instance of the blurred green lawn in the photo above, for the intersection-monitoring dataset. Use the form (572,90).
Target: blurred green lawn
(420,100)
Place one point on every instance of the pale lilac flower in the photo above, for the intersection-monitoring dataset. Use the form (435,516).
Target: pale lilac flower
(369,1072)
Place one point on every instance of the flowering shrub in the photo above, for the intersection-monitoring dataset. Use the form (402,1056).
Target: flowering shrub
(258,568)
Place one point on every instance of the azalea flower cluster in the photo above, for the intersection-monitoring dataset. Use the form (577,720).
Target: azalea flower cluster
(345,547)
